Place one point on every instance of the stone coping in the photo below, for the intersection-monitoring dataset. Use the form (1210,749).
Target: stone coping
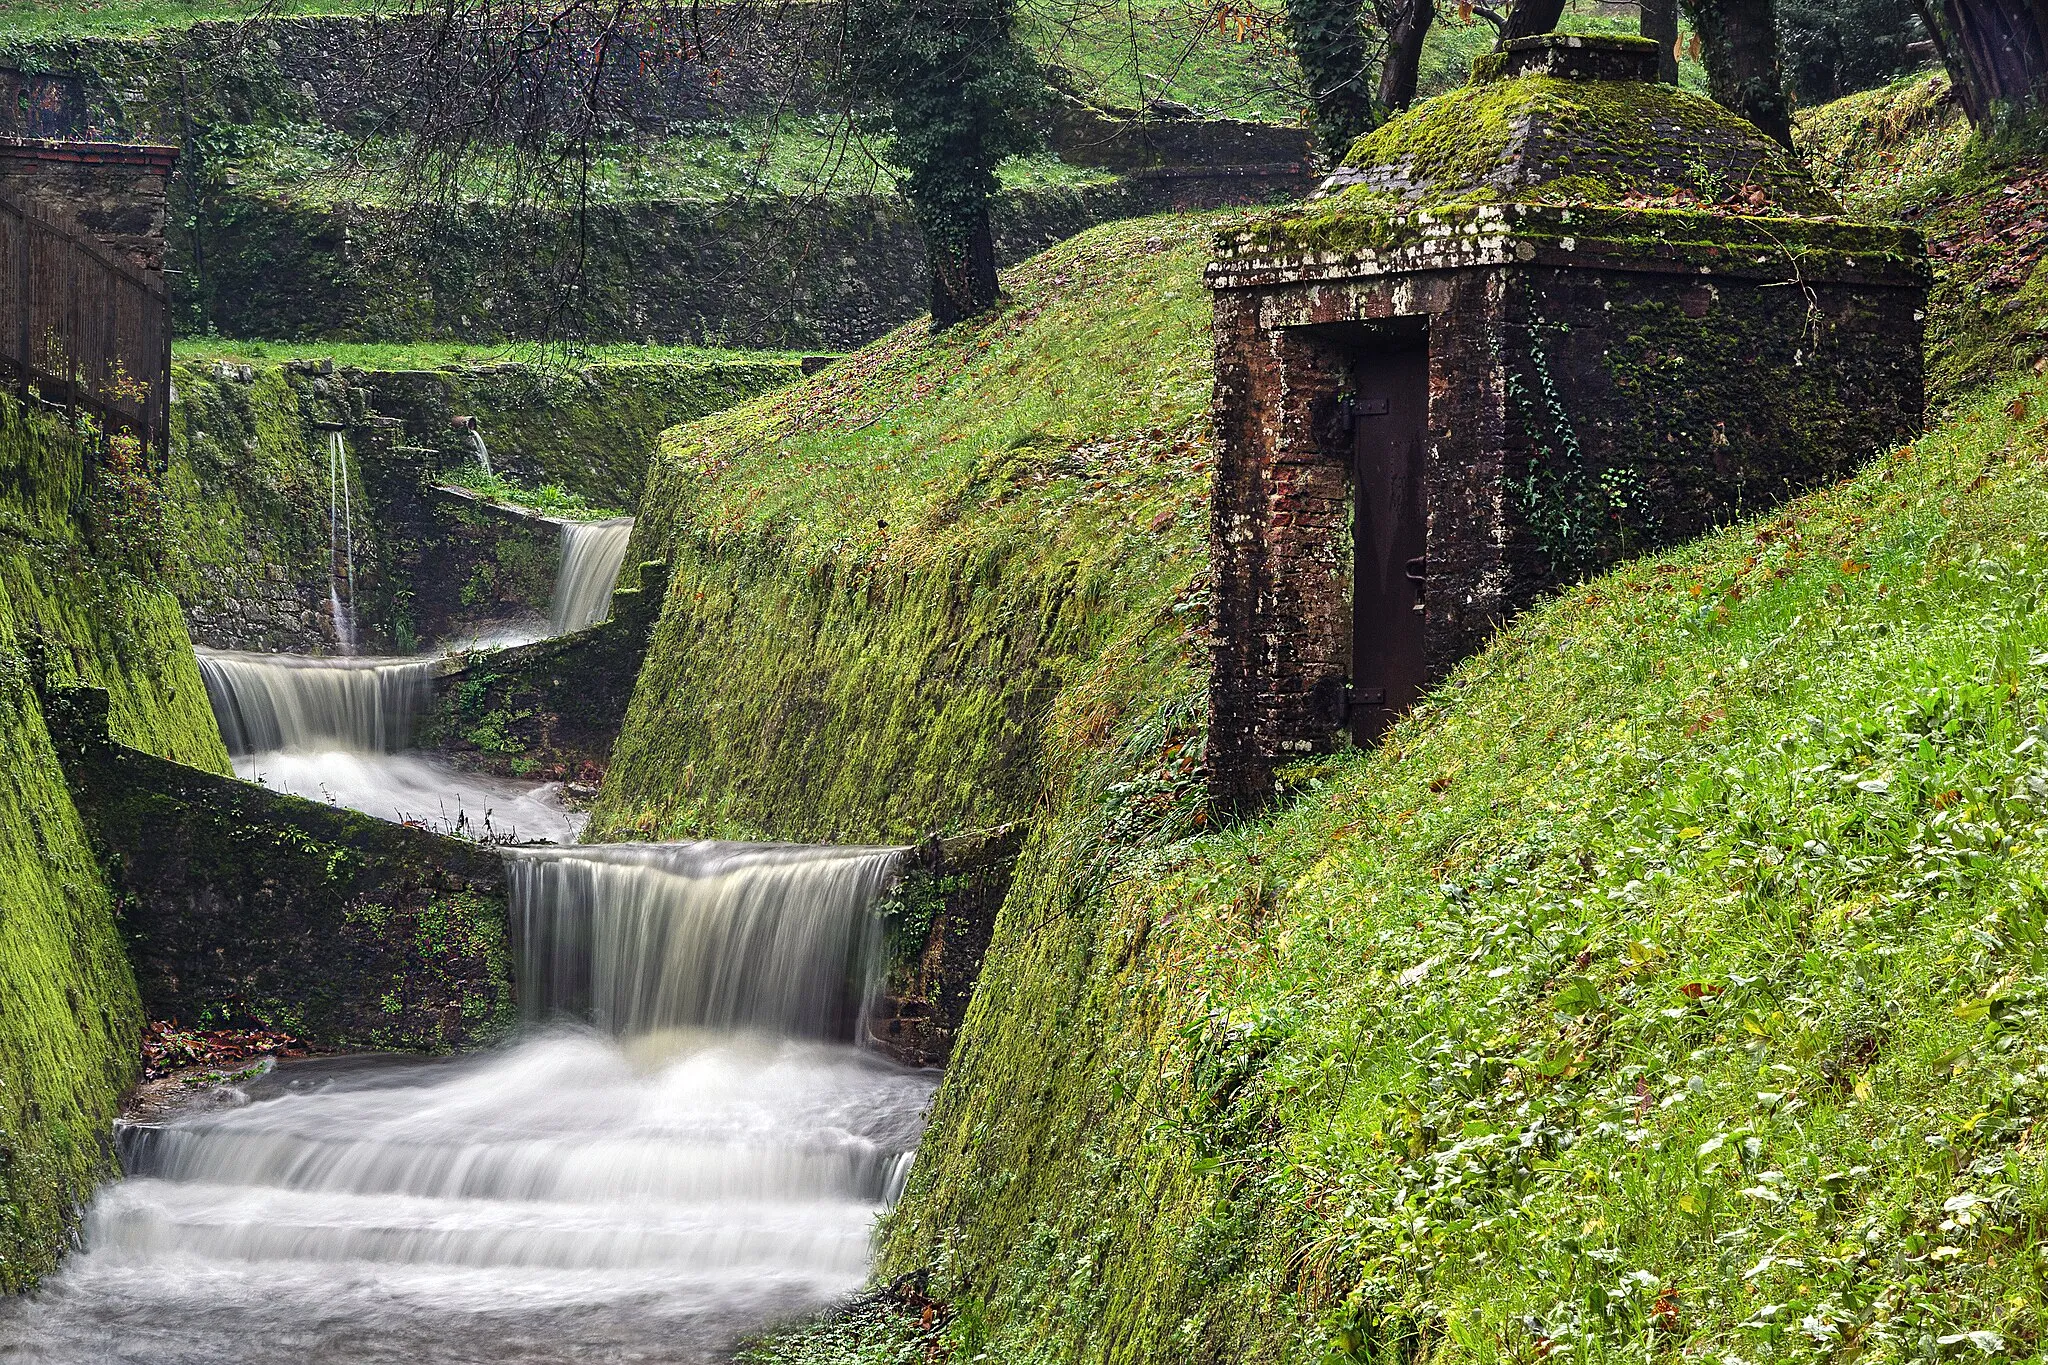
(80,152)
(1342,245)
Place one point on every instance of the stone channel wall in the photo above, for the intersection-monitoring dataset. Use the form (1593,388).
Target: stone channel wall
(248,496)
(246,908)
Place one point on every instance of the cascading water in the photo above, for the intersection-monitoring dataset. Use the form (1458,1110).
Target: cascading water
(338,730)
(592,552)
(711,1164)
(290,701)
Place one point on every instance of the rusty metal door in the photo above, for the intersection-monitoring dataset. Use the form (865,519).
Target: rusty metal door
(1390,414)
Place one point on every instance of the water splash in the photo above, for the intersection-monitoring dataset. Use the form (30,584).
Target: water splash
(473,437)
(592,553)
(639,938)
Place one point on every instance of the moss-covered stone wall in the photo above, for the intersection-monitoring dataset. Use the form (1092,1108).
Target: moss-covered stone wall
(246,908)
(757,271)
(554,707)
(79,603)
(250,493)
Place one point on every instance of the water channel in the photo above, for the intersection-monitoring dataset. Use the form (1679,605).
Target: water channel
(682,1144)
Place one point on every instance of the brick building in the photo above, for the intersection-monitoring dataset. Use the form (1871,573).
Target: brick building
(1556,318)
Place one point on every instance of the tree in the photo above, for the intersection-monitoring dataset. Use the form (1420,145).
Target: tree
(1339,45)
(1328,38)
(1527,18)
(1996,52)
(955,93)
(1659,23)
(1739,43)
(1834,48)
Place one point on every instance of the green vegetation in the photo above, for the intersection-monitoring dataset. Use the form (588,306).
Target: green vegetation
(69,1018)
(1906,152)
(50,17)
(549,499)
(906,557)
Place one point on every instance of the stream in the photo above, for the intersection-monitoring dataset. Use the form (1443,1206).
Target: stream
(702,1154)
(682,1143)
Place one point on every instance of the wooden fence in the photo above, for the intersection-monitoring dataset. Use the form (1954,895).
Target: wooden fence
(84,330)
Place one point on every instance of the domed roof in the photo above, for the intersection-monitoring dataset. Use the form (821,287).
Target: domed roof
(1572,119)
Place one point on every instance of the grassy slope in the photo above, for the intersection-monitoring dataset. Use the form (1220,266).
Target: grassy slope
(1905,152)
(69,1017)
(904,558)
(1669,985)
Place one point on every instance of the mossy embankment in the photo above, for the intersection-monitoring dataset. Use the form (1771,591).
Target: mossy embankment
(77,602)
(254,491)
(1669,983)
(883,576)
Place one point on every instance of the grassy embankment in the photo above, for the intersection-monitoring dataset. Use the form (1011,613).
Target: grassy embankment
(1669,984)
(76,598)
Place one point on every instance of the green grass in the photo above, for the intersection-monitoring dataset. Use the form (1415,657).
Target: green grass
(920,546)
(444,355)
(793,156)
(39,18)
(549,499)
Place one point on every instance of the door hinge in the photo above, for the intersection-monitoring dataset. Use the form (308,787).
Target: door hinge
(1356,697)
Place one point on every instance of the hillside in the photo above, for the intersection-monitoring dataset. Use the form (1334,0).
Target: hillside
(1667,983)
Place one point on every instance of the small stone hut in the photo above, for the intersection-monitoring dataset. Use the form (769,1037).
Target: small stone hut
(1558,317)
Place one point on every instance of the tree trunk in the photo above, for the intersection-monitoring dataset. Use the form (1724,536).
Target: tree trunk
(963,272)
(1407,25)
(1659,23)
(1527,18)
(1996,52)
(1739,41)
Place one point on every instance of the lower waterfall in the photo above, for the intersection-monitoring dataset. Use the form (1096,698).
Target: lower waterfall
(708,1159)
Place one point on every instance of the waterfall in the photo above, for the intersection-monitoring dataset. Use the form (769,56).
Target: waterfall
(341,544)
(268,702)
(643,937)
(710,1168)
(592,552)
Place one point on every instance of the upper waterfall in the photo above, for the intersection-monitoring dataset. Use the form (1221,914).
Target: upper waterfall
(592,552)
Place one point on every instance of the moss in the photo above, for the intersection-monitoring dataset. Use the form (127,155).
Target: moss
(1512,139)
(69,1018)
(904,560)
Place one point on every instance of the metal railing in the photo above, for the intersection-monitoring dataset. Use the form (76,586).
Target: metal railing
(82,329)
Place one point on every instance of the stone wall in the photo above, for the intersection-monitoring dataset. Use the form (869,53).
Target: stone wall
(940,917)
(552,708)
(245,908)
(248,497)
(116,194)
(751,272)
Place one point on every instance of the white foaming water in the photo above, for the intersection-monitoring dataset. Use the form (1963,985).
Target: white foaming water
(419,789)
(592,552)
(576,1197)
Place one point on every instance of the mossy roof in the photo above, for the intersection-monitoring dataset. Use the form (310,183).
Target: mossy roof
(1542,139)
